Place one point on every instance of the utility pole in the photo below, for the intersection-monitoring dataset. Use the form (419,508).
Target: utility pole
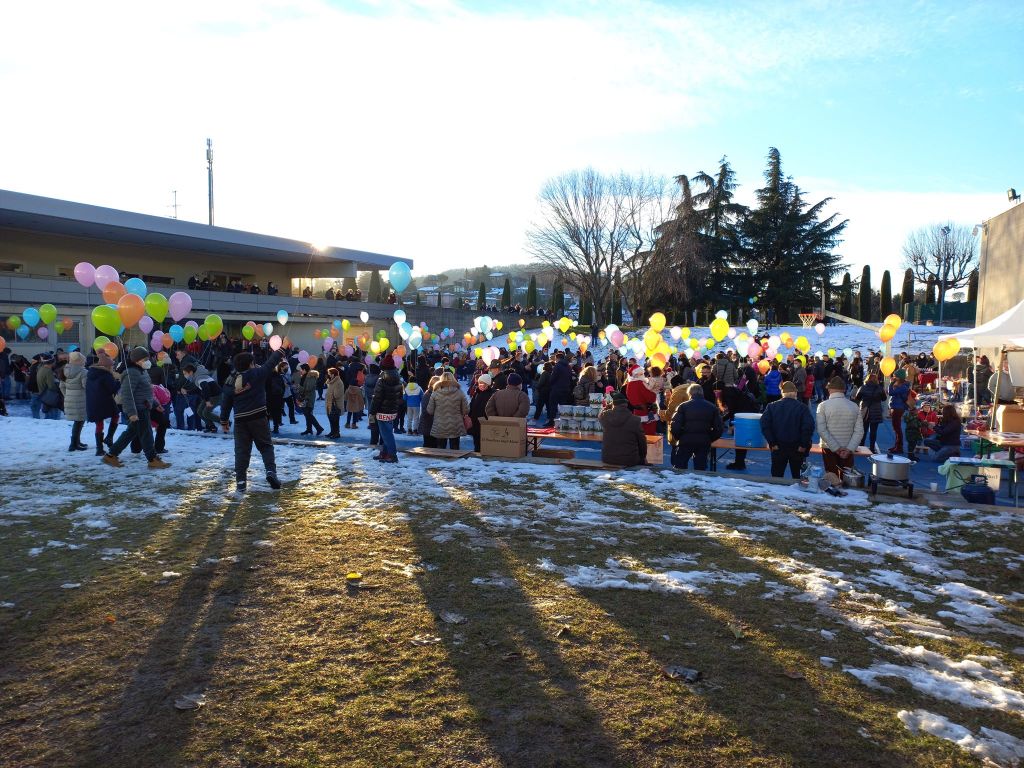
(945,272)
(174,205)
(209,174)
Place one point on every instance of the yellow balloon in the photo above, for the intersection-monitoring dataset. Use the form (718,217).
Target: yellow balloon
(664,349)
(831,353)
(694,343)
(658,359)
(709,343)
(652,339)
(529,346)
(545,324)
(719,329)
(564,324)
(685,333)
(384,344)
(478,352)
(887,366)
(498,324)
(894,320)
(803,344)
(779,357)
(887,332)
(375,347)
(941,351)
(657,322)
(954,347)
(572,336)
(511,346)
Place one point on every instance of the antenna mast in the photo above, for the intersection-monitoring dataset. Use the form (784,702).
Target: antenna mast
(209,174)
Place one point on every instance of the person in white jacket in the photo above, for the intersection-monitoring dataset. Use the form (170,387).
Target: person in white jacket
(839,427)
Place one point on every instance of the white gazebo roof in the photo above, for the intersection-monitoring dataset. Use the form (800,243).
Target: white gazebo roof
(1006,329)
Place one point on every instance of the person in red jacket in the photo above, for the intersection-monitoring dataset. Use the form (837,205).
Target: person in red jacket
(643,401)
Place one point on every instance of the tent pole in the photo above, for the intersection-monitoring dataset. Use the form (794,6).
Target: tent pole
(995,395)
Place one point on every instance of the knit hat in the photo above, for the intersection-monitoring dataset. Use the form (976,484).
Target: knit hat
(837,384)
(139,354)
(484,379)
(788,388)
(387,363)
(900,374)
(618,398)
(76,358)
(514,380)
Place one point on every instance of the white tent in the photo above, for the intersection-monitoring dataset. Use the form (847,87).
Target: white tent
(1005,330)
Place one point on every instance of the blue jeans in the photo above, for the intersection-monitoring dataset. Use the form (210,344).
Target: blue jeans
(180,403)
(387,437)
(5,387)
(140,430)
(36,405)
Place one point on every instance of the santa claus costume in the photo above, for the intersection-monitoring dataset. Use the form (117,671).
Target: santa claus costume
(642,401)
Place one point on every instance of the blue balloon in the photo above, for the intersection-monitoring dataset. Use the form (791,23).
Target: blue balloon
(177,332)
(337,323)
(22,331)
(31,317)
(137,286)
(399,276)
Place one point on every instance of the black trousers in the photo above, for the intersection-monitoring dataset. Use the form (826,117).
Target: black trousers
(684,453)
(787,456)
(248,433)
(334,417)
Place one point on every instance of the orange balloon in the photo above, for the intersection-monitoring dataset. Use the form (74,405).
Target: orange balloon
(113,292)
(3,344)
(167,341)
(764,366)
(887,366)
(399,350)
(887,332)
(312,361)
(111,349)
(259,331)
(131,308)
(334,333)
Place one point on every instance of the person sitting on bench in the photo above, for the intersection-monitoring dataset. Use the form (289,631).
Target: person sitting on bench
(623,442)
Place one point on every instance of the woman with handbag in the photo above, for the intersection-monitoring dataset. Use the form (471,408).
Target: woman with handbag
(450,412)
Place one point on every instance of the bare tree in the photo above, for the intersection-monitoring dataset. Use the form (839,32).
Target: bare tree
(943,253)
(591,224)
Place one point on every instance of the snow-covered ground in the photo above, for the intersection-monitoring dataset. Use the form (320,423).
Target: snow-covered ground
(904,578)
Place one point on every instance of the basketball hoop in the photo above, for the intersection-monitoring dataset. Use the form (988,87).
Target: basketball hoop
(807,320)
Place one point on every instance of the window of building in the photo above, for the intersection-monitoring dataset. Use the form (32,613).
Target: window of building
(11,267)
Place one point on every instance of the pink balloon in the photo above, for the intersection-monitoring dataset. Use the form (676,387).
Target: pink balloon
(348,350)
(43,332)
(754,350)
(157,342)
(303,355)
(85,274)
(616,338)
(104,274)
(180,304)
(275,342)
(146,324)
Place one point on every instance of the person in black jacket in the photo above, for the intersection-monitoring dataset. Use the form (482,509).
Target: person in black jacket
(787,425)
(277,387)
(559,387)
(870,398)
(736,401)
(477,406)
(696,425)
(246,393)
(387,399)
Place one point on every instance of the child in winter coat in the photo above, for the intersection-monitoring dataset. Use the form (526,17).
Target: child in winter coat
(413,398)
(914,427)
(355,402)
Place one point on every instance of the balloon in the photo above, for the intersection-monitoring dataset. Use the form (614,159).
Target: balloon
(22,332)
(99,342)
(652,339)
(268,328)
(345,324)
(42,332)
(415,341)
(887,366)
(311,362)
(167,341)
(847,352)
(364,316)
(657,321)
(732,333)
(887,332)
(375,347)
(107,320)
(204,333)
(831,353)
(3,344)
(176,332)
(47,313)
(399,316)
(685,333)
(85,274)
(522,323)
(303,356)
(893,320)
(190,331)
(348,350)
(275,342)
(752,326)
(248,332)
(399,276)
(282,317)
(954,347)
(31,317)
(803,344)
(214,326)
(13,322)
(104,275)
(130,308)
(617,338)
(146,324)
(753,350)
(941,351)
(111,350)
(820,328)
(764,366)
(156,306)
(180,304)
(719,328)
(156,343)
(334,333)
(328,343)
(564,324)
(384,344)
(137,286)
(113,292)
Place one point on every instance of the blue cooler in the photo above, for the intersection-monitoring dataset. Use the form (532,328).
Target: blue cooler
(748,431)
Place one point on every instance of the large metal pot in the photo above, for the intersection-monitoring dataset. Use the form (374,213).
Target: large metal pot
(887,466)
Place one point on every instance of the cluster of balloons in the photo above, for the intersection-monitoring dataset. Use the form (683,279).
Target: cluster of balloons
(890,325)
(39,319)
(946,349)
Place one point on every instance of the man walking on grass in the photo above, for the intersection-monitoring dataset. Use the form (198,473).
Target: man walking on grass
(246,392)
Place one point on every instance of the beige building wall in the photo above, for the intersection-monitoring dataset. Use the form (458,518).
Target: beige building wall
(1001,275)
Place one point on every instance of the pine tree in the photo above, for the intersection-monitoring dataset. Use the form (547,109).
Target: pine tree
(506,294)
(560,299)
(865,295)
(481,298)
(846,296)
(885,297)
(348,284)
(972,287)
(586,312)
(531,293)
(907,292)
(376,292)
(616,307)
(929,292)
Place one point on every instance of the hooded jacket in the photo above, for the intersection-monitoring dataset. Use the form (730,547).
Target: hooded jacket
(387,393)
(870,398)
(100,388)
(73,389)
(307,391)
(623,442)
(136,391)
(246,392)
(447,406)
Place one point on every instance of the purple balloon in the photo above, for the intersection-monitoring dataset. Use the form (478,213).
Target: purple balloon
(43,332)
(157,342)
(303,356)
(146,324)
(328,343)
(180,304)
(85,274)
(105,274)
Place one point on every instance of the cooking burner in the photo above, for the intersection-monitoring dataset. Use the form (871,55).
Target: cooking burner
(874,482)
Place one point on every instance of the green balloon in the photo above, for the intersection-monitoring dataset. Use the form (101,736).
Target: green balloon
(106,320)
(47,313)
(100,342)
(248,332)
(204,333)
(190,334)
(14,322)
(214,325)
(156,306)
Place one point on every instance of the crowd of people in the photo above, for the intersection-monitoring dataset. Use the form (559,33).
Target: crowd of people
(690,402)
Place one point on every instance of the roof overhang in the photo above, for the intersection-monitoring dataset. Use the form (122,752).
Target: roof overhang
(62,217)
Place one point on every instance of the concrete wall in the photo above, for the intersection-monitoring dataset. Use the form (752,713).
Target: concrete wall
(1001,275)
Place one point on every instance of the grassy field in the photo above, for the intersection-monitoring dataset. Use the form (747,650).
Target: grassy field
(507,617)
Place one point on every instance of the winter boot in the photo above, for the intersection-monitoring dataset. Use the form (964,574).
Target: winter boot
(157,463)
(240,486)
(112,460)
(273,480)
(99,444)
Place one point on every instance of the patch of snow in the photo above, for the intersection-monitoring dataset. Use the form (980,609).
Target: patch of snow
(996,747)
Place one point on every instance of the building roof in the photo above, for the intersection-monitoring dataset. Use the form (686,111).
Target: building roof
(63,217)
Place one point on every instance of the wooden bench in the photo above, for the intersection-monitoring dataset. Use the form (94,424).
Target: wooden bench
(439,453)
(726,444)
(655,443)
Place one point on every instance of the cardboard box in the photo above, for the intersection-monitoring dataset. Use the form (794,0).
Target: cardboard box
(554,453)
(1009,418)
(503,436)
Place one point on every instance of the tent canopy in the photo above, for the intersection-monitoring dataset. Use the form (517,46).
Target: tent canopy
(1005,330)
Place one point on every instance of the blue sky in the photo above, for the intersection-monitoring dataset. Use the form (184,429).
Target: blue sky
(426,129)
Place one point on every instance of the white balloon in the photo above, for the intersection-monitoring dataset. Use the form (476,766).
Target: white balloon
(722,314)
(364,316)
(752,326)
